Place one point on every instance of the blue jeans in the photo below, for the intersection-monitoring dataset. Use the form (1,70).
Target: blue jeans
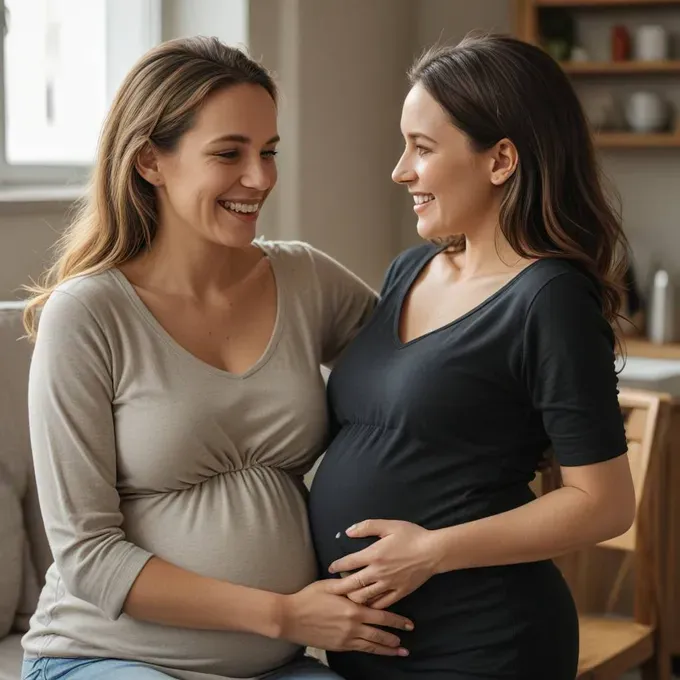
(56,668)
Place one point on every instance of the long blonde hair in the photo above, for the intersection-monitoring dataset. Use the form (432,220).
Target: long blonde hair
(156,104)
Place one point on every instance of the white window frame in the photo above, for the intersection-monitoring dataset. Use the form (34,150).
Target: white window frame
(140,21)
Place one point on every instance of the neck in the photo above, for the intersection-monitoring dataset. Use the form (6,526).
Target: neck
(487,252)
(194,267)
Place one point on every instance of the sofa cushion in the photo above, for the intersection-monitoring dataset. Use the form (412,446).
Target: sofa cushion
(25,553)
(12,541)
(11,656)
(30,590)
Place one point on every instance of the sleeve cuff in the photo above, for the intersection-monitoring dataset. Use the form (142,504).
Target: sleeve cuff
(122,580)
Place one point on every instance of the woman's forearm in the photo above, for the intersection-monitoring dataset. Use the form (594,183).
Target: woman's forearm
(169,595)
(559,522)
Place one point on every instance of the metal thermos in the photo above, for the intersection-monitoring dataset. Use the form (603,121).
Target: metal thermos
(661,319)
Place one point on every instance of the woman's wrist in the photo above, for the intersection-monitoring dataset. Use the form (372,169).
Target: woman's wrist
(269,621)
(251,610)
(443,549)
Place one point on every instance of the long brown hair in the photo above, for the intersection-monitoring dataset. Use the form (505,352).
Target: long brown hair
(495,87)
(156,104)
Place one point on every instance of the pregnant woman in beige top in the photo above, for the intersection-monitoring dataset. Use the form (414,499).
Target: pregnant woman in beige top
(176,399)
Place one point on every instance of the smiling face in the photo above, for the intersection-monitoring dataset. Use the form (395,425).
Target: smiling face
(213,184)
(454,187)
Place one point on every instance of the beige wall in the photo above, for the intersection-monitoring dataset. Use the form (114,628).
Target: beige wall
(27,232)
(341,66)
(227,19)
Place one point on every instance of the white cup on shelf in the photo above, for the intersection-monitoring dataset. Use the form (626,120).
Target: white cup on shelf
(651,43)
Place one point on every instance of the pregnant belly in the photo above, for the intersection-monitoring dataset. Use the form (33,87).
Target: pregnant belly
(378,473)
(462,617)
(249,527)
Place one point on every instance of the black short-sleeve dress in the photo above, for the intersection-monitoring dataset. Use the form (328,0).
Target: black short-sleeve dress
(449,428)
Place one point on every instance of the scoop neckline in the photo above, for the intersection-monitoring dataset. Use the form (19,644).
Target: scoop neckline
(406,289)
(183,352)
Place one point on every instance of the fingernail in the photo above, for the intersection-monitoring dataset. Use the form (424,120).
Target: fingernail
(352,528)
(403,652)
(409,626)
(331,570)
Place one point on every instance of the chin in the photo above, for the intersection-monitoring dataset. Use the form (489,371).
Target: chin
(233,238)
(234,235)
(240,241)
(429,231)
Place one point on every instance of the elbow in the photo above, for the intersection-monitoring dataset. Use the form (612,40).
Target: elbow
(620,517)
(627,517)
(82,587)
(623,522)
(101,575)
(77,579)
(626,509)
(613,502)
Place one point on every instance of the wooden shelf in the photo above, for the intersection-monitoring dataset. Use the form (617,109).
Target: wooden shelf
(527,23)
(604,3)
(637,140)
(629,68)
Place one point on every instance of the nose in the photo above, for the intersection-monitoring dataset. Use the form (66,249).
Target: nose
(402,172)
(260,174)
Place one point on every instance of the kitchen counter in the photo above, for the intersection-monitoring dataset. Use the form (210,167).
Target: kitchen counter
(659,375)
(641,347)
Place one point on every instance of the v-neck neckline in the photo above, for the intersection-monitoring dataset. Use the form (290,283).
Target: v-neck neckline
(403,294)
(178,348)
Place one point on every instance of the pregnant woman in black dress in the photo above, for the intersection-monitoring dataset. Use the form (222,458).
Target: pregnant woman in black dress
(492,342)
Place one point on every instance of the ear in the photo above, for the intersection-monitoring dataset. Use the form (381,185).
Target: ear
(504,159)
(148,167)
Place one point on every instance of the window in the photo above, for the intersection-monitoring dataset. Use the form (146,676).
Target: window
(62,61)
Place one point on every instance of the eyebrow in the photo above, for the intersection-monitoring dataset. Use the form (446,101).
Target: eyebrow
(242,139)
(419,135)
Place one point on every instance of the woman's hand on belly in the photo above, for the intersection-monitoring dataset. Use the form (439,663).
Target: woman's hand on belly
(317,617)
(390,569)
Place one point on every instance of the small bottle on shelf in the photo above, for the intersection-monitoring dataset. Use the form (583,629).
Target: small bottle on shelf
(661,319)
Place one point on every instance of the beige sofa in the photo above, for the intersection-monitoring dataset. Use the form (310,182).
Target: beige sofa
(24,553)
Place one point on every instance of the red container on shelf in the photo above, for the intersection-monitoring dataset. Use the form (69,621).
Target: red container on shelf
(620,43)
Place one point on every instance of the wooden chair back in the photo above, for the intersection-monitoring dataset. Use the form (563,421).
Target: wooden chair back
(597,577)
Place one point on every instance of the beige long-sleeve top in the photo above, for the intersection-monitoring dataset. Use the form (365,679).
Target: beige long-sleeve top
(143,449)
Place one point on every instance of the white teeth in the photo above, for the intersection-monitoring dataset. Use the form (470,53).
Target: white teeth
(240,207)
(419,199)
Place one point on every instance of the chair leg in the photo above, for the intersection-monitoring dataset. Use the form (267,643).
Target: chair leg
(657,668)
